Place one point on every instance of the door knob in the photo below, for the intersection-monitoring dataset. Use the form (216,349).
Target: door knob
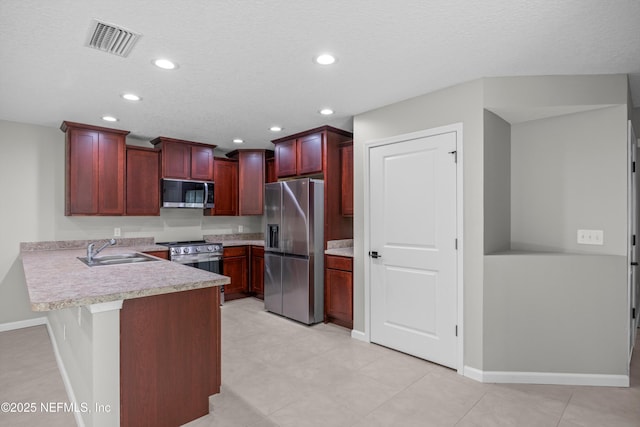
(374,254)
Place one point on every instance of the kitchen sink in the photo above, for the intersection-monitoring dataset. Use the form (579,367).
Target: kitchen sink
(118,259)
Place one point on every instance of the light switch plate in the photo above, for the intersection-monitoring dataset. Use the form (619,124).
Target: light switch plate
(591,237)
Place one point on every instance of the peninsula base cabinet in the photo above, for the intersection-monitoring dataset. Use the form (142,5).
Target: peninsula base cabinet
(338,289)
(170,358)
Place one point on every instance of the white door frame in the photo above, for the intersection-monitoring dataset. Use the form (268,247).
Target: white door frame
(457,128)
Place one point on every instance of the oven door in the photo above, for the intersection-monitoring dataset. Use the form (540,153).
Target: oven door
(214,266)
(207,262)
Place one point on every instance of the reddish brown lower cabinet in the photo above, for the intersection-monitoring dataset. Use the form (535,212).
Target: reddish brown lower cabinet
(169,357)
(338,290)
(235,265)
(143,181)
(159,254)
(257,271)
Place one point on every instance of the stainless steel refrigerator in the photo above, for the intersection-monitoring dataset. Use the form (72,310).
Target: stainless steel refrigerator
(294,249)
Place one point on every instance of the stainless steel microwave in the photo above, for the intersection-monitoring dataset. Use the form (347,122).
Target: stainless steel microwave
(178,193)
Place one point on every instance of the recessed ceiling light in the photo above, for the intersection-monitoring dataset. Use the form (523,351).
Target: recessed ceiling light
(325,59)
(238,141)
(326,111)
(109,119)
(165,64)
(131,97)
(275,128)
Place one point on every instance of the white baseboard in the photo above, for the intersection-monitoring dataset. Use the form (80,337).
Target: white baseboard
(65,376)
(358,335)
(546,378)
(23,324)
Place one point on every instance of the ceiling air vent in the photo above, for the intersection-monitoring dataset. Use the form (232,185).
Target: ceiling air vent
(111,38)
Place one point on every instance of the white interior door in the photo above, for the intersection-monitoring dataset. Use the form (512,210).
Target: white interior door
(634,292)
(413,279)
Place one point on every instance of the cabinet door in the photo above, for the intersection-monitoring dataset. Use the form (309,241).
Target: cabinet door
(143,181)
(201,163)
(82,172)
(271,170)
(339,297)
(251,175)
(235,266)
(346,177)
(310,154)
(257,271)
(176,160)
(225,190)
(285,153)
(111,153)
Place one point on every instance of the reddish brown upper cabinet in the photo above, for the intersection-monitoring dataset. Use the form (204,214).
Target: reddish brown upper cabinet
(316,153)
(251,178)
(143,181)
(185,159)
(271,170)
(94,170)
(225,190)
(300,156)
(346,179)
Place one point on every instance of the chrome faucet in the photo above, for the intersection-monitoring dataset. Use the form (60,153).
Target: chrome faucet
(91,253)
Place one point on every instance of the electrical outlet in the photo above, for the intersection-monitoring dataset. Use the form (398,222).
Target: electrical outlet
(116,232)
(591,237)
(240,228)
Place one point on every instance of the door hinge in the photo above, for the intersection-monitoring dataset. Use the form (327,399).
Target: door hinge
(455,155)
(456,243)
(633,313)
(633,240)
(633,167)
(456,330)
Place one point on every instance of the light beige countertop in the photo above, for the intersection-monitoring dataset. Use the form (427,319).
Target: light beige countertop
(56,279)
(340,248)
(228,243)
(237,239)
(346,252)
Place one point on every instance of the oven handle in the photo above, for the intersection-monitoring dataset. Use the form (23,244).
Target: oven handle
(189,259)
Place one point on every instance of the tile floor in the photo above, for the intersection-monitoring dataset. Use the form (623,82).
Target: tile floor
(280,373)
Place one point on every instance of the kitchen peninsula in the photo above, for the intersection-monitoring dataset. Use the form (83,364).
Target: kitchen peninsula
(139,343)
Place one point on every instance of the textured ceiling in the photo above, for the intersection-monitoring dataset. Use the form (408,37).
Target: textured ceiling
(247,65)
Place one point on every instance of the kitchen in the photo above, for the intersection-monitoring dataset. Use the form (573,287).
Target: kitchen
(39,156)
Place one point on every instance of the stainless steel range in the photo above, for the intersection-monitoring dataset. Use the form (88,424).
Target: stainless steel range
(198,254)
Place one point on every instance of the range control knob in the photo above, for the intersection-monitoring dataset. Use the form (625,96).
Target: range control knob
(210,248)
(198,249)
(185,250)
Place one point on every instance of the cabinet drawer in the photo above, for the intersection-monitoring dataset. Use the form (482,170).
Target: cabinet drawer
(339,263)
(235,251)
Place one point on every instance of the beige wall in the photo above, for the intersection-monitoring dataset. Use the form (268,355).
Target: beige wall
(486,143)
(459,104)
(32,177)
